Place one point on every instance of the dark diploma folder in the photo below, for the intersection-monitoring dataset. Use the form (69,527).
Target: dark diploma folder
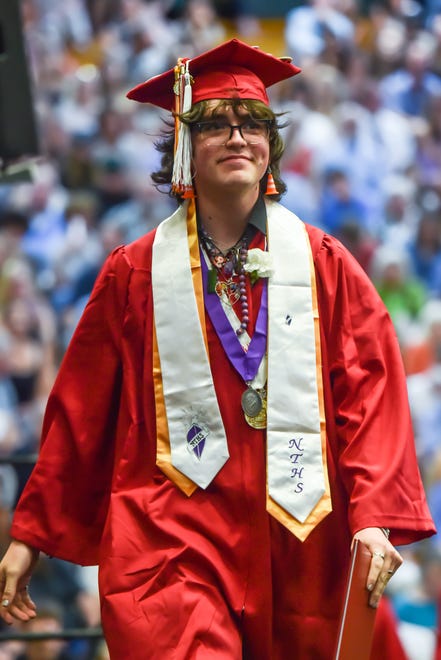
(356,626)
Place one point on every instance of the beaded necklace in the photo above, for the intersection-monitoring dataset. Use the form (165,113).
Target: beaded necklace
(225,267)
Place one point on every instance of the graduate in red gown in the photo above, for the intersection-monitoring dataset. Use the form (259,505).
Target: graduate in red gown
(231,412)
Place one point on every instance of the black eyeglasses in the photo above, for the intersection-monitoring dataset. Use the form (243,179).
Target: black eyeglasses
(219,132)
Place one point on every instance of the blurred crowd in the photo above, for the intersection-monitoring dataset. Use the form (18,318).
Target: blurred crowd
(362,126)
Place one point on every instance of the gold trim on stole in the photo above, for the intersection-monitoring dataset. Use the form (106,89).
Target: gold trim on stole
(163,450)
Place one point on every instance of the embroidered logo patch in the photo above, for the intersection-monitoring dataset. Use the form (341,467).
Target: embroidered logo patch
(196,436)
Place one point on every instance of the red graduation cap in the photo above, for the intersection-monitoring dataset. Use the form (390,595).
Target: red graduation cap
(233,69)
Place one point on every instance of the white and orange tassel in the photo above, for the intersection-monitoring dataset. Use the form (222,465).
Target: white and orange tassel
(181,178)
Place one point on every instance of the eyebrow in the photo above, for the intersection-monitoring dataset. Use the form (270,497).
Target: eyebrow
(223,115)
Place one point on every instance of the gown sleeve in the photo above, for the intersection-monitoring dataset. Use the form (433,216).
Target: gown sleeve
(371,433)
(66,496)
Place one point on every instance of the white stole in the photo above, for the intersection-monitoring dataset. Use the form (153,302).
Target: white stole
(196,431)
(295,465)
(296,460)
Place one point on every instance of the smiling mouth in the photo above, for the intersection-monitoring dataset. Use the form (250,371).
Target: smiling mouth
(234,157)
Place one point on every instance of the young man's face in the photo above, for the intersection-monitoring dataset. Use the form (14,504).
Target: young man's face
(229,163)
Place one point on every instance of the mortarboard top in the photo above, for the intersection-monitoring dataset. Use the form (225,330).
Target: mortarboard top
(233,69)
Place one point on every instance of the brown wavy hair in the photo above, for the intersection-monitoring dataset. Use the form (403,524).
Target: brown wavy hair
(202,110)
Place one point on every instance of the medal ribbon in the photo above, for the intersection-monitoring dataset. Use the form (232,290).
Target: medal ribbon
(246,363)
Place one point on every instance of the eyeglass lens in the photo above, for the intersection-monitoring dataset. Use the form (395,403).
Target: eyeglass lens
(219,133)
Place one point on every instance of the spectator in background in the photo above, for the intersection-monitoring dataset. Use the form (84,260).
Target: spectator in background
(49,620)
(8,498)
(433,486)
(359,243)
(20,281)
(359,151)
(309,27)
(425,404)
(77,106)
(77,169)
(44,203)
(412,88)
(13,226)
(428,139)
(200,28)
(10,440)
(414,598)
(30,372)
(403,294)
(340,206)
(422,352)
(394,132)
(397,222)
(425,252)
(82,248)
(146,55)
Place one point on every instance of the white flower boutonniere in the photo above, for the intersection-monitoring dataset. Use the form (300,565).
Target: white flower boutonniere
(258,264)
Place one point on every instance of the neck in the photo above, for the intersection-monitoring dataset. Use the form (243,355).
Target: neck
(225,220)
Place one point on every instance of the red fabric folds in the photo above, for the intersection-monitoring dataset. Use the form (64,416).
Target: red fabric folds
(213,575)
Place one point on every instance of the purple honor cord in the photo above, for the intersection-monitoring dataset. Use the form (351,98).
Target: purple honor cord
(246,363)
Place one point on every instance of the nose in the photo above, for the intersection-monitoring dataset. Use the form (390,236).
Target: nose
(236,134)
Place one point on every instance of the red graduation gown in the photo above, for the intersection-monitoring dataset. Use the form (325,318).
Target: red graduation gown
(213,575)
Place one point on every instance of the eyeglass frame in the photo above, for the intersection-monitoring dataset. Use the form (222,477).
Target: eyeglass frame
(233,127)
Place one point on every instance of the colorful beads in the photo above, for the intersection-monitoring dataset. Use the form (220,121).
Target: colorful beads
(228,266)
